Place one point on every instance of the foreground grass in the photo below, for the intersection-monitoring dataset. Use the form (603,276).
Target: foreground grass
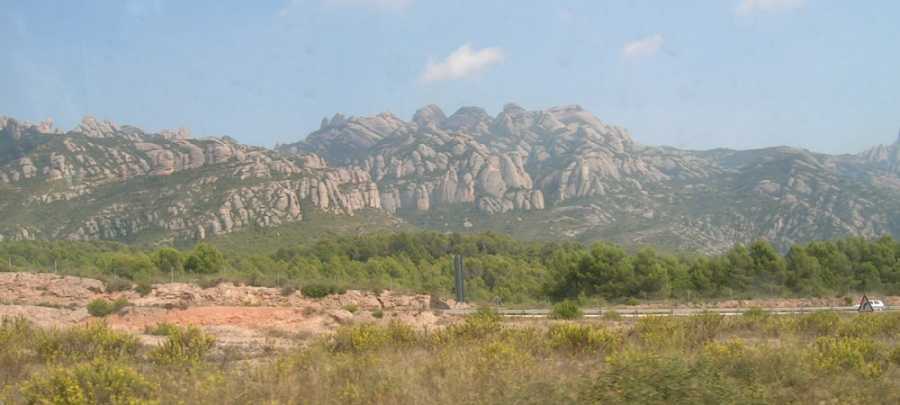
(754,358)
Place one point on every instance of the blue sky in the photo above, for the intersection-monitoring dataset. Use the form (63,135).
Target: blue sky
(819,74)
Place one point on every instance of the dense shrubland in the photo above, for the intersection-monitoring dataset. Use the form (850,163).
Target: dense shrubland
(705,359)
(498,267)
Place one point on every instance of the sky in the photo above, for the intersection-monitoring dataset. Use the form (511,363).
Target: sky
(818,74)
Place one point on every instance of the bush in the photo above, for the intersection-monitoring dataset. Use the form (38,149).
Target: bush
(819,323)
(756,319)
(857,354)
(566,310)
(894,356)
(85,342)
(351,308)
(161,329)
(755,313)
(651,378)
(582,337)
(205,259)
(703,327)
(378,314)
(168,260)
(631,301)
(116,284)
(101,307)
(143,289)
(659,331)
(320,290)
(14,330)
(484,322)
(612,315)
(367,337)
(16,336)
(184,346)
(873,324)
(97,382)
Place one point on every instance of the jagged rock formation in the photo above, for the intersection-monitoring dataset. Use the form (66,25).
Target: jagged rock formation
(555,173)
(561,172)
(119,183)
(884,156)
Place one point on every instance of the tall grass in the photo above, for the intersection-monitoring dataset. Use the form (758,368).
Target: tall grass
(708,358)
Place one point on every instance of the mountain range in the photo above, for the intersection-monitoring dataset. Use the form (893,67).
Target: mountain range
(559,173)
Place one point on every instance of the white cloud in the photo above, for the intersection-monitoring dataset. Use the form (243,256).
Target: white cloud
(643,47)
(747,7)
(462,63)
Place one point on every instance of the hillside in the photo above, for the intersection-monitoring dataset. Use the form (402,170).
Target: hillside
(559,173)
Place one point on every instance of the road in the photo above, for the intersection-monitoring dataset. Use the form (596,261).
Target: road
(639,312)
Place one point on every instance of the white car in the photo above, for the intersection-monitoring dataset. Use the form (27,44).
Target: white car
(877,305)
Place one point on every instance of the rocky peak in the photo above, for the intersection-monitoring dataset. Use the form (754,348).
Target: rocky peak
(575,114)
(430,115)
(92,127)
(15,129)
(513,108)
(337,120)
(888,156)
(10,127)
(382,124)
(175,135)
(46,126)
(468,119)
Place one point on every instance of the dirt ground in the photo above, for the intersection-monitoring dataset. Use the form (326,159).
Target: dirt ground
(242,316)
(255,317)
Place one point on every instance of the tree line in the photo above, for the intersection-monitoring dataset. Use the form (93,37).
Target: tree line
(498,266)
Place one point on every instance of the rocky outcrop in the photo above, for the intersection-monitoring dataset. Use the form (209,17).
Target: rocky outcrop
(554,173)
(94,128)
(342,140)
(223,186)
(884,156)
(429,116)
(564,160)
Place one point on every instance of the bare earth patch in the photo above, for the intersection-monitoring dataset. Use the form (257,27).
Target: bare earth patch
(242,316)
(257,317)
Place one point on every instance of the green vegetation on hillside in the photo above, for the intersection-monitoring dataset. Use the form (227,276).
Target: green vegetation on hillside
(498,267)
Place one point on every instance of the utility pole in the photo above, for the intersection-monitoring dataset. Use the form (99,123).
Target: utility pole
(459,274)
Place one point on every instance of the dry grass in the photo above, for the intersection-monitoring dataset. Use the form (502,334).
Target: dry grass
(757,358)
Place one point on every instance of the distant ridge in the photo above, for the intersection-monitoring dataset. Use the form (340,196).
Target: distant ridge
(559,173)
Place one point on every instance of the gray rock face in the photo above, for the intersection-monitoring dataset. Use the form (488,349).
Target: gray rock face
(343,139)
(224,186)
(470,120)
(555,173)
(564,160)
(430,115)
(91,127)
(884,156)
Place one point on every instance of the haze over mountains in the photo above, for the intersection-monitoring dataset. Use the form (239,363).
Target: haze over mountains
(555,173)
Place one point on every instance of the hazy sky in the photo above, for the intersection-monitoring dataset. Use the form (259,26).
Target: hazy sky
(819,74)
